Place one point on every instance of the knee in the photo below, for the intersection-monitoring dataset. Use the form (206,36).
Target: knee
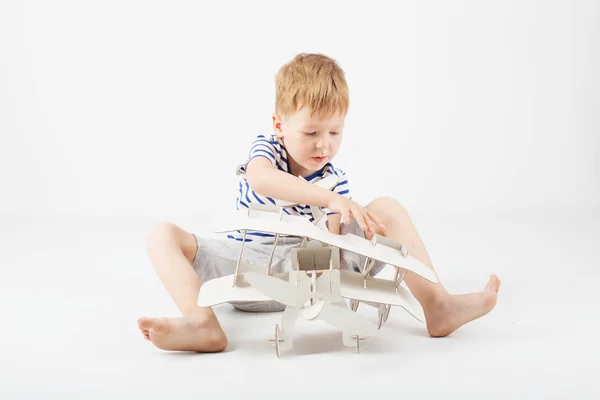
(387,207)
(161,234)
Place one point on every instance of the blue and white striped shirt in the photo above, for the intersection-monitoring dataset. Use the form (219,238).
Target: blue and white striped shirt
(272,149)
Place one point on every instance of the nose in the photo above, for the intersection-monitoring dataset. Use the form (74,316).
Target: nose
(322,142)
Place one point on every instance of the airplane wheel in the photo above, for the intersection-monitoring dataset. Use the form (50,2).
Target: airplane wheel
(277,330)
(277,340)
(358,340)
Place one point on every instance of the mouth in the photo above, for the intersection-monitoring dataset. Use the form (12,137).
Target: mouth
(319,159)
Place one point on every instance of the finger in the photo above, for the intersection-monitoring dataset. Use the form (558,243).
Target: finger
(376,219)
(371,226)
(371,223)
(345,216)
(358,215)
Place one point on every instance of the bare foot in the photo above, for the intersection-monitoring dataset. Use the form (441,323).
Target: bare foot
(192,333)
(447,314)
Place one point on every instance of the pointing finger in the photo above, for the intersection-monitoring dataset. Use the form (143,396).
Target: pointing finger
(345,216)
(376,219)
(360,219)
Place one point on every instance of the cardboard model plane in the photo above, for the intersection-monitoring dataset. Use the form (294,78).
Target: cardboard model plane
(315,287)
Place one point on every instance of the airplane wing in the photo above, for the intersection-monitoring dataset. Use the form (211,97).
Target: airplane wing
(221,290)
(292,225)
(381,291)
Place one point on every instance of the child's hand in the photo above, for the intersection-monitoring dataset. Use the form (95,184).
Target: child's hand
(350,209)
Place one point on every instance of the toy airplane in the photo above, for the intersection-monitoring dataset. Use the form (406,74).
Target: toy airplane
(315,287)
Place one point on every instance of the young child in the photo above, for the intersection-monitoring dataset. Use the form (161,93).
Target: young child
(311,104)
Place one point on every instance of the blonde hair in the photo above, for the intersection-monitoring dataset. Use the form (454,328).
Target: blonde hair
(311,80)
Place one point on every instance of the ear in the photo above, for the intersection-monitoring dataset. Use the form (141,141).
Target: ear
(277,125)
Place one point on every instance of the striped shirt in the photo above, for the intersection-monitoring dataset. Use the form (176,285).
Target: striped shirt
(273,150)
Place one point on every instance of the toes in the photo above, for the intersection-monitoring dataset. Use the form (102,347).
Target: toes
(493,283)
(160,326)
(145,323)
(156,326)
(141,323)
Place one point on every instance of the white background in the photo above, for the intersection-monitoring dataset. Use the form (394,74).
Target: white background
(481,118)
(145,108)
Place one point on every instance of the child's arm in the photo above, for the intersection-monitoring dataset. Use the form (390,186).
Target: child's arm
(269,181)
(333,223)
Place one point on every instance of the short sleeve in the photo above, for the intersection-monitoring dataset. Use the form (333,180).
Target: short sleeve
(260,147)
(342,188)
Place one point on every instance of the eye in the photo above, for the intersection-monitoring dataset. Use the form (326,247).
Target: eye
(310,133)
(334,133)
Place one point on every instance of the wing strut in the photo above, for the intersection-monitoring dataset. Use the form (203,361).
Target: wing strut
(237,266)
(272,253)
(259,207)
(369,264)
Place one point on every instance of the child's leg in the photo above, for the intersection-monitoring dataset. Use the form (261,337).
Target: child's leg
(172,251)
(444,312)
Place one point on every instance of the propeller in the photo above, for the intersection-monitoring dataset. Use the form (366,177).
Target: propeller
(336,314)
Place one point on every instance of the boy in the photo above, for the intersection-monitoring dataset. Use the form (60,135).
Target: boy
(311,105)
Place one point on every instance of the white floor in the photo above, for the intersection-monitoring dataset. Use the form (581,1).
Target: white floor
(72,290)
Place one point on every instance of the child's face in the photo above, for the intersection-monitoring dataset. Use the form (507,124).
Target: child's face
(310,142)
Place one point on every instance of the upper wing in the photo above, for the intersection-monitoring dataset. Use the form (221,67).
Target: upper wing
(299,226)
